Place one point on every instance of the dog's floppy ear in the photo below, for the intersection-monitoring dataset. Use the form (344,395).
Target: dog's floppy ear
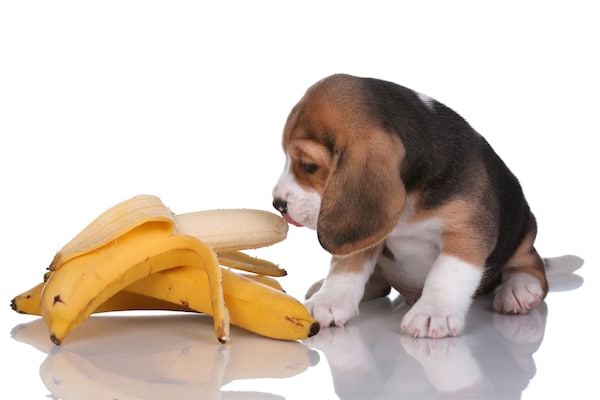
(364,195)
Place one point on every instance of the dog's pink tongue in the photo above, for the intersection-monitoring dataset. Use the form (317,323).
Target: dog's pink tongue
(290,220)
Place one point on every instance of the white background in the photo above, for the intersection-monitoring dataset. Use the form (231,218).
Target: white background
(100,101)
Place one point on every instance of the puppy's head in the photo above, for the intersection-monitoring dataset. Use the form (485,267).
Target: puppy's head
(342,170)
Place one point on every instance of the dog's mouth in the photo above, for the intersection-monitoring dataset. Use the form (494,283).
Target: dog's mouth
(290,220)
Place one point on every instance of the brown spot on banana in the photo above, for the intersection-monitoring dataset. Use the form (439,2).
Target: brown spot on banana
(314,328)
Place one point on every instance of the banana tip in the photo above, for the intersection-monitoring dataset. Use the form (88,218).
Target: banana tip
(55,340)
(315,327)
(55,261)
(223,339)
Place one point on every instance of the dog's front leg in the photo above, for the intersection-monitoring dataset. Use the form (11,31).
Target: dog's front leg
(447,295)
(338,298)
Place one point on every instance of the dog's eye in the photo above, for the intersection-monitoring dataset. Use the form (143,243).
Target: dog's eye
(309,168)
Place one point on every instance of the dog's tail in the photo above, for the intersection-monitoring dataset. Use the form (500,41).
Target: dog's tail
(559,271)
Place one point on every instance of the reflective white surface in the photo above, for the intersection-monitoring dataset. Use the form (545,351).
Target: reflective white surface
(166,355)
(101,101)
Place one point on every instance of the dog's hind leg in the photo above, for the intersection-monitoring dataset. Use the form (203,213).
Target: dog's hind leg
(524,282)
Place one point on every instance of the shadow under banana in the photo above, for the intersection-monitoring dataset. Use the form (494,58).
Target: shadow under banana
(493,358)
(159,357)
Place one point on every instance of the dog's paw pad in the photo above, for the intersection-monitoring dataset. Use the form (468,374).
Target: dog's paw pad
(518,295)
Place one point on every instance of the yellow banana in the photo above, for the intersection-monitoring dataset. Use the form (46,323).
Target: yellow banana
(253,306)
(116,261)
(78,286)
(28,302)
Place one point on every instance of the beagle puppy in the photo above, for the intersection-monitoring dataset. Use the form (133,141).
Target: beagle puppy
(405,194)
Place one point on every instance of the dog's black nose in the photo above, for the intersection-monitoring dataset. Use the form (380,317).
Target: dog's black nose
(280,205)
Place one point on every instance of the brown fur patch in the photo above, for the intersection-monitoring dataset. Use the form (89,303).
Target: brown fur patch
(353,263)
(304,152)
(461,234)
(364,195)
(358,174)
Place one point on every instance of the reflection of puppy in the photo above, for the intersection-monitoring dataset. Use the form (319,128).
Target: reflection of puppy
(404,193)
(495,360)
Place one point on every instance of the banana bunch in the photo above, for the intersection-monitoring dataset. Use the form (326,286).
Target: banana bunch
(138,255)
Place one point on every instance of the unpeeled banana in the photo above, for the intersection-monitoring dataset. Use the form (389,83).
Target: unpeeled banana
(252,306)
(28,302)
(186,289)
(139,255)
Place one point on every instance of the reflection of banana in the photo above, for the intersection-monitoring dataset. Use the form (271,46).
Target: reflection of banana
(33,333)
(192,364)
(279,359)
(139,364)
(70,376)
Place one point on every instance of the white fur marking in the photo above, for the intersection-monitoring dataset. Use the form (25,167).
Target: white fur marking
(302,205)
(415,247)
(428,101)
(337,300)
(446,298)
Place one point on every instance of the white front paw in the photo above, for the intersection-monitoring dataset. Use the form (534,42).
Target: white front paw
(426,319)
(331,309)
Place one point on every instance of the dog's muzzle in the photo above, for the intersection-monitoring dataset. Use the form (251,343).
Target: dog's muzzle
(281,206)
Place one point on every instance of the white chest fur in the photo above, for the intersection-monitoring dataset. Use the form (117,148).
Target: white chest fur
(415,246)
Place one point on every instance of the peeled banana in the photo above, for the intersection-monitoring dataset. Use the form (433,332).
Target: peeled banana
(233,229)
(139,255)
